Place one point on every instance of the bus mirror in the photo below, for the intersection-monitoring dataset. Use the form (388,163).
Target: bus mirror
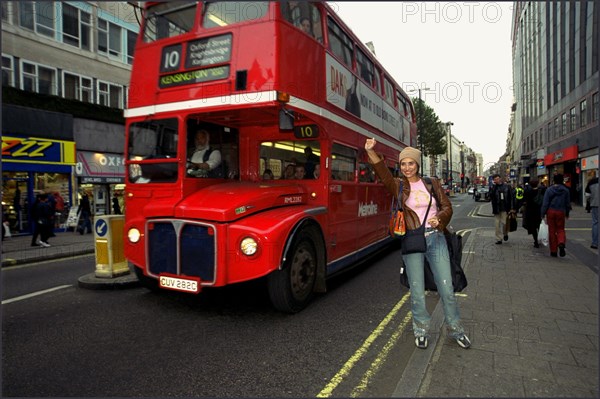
(286,120)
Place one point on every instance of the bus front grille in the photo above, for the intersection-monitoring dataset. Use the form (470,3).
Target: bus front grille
(181,248)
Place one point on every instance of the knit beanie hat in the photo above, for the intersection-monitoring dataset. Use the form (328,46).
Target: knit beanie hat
(412,153)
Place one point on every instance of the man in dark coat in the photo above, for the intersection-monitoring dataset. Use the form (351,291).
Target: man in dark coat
(503,203)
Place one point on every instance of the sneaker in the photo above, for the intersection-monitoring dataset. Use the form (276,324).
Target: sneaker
(505,237)
(594,246)
(421,342)
(44,244)
(561,250)
(499,242)
(463,341)
(39,242)
(553,254)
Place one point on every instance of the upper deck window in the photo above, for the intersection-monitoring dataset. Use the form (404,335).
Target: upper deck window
(304,16)
(224,13)
(169,19)
(339,42)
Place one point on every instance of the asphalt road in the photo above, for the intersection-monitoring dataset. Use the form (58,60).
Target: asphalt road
(62,340)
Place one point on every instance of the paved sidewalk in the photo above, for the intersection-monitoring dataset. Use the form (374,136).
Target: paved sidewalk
(18,250)
(532,320)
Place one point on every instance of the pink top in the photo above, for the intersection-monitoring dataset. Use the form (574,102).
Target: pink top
(419,200)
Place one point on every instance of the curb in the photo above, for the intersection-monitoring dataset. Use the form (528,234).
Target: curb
(91,282)
(13,262)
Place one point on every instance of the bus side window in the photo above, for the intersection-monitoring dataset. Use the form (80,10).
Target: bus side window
(343,165)
(366,174)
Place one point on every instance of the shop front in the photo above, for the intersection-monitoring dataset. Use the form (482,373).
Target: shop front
(31,166)
(101,176)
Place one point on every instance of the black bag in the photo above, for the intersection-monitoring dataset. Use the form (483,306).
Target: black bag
(414,240)
(511,221)
(459,280)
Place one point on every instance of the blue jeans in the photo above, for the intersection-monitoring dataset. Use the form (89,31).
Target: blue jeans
(594,211)
(439,261)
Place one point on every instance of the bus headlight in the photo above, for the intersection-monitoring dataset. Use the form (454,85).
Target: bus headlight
(134,235)
(249,246)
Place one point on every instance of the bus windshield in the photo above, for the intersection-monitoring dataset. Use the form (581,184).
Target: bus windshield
(153,140)
(223,13)
(169,19)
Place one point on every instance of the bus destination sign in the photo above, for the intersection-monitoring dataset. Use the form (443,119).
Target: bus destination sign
(198,54)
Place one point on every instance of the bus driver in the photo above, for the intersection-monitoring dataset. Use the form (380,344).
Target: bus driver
(205,159)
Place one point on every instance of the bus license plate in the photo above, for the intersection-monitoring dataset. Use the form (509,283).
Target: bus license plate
(176,283)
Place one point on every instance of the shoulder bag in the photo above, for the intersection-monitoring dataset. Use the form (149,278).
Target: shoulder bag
(413,241)
(397,225)
(459,279)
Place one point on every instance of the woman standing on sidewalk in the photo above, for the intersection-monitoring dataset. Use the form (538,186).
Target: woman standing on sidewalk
(415,202)
(556,208)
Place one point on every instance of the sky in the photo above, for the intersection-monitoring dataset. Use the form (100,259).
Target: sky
(460,51)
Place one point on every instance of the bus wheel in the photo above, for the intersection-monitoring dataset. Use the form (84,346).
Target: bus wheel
(146,281)
(291,289)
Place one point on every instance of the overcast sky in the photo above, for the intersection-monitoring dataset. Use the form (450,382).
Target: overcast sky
(460,51)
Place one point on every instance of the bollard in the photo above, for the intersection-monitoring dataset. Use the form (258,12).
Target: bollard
(110,255)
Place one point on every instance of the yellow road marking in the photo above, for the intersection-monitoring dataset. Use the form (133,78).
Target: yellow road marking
(380,359)
(347,367)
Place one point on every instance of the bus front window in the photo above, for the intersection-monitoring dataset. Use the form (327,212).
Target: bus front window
(150,141)
(223,13)
(169,19)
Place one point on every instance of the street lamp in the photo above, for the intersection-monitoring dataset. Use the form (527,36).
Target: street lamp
(420,122)
(448,129)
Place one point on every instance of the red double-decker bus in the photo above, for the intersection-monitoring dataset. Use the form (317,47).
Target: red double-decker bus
(286,95)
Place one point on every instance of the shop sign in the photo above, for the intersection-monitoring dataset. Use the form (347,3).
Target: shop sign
(566,154)
(37,150)
(588,163)
(540,164)
(96,167)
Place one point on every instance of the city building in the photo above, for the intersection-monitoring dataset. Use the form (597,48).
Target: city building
(555,122)
(65,76)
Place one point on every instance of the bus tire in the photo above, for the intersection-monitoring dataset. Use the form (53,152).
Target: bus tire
(146,281)
(291,289)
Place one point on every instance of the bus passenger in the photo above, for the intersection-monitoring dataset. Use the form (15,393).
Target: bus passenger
(418,203)
(205,159)
(306,26)
(268,175)
(288,173)
(299,172)
(317,171)
(310,161)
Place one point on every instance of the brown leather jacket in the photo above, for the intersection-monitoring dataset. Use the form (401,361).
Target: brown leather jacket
(392,184)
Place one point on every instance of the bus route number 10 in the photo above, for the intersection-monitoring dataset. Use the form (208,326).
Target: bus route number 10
(306,132)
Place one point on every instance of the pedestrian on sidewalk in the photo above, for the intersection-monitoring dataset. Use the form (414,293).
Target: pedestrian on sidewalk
(86,212)
(533,200)
(555,209)
(503,203)
(34,222)
(592,190)
(43,212)
(416,200)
